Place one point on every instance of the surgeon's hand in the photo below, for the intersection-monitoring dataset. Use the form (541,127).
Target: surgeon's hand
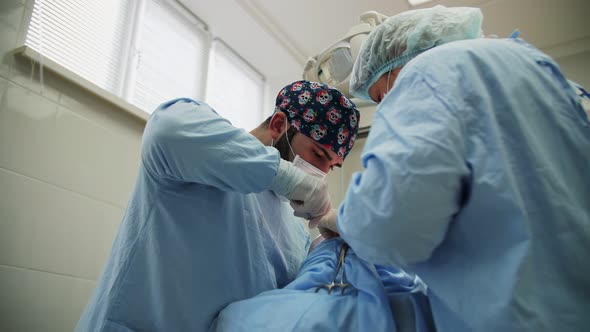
(308,194)
(326,224)
(310,199)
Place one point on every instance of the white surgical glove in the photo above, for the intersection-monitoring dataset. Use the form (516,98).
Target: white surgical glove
(311,200)
(326,224)
(308,194)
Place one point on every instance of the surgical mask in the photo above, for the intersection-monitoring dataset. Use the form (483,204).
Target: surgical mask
(302,164)
(308,168)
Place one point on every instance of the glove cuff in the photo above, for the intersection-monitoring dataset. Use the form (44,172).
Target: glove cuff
(286,179)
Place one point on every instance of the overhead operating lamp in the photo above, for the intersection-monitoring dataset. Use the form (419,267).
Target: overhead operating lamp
(334,65)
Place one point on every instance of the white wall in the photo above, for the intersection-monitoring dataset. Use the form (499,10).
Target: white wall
(68,163)
(576,67)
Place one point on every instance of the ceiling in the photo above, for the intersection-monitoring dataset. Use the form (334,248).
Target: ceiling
(311,26)
(276,37)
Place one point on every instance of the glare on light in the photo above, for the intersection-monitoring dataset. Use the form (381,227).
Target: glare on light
(418,2)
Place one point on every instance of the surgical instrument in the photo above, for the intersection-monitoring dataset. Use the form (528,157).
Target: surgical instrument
(340,265)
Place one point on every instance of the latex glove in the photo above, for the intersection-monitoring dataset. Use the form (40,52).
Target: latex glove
(311,199)
(308,194)
(326,224)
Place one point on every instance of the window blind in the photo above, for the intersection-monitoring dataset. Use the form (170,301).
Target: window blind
(234,89)
(170,57)
(87,37)
(147,52)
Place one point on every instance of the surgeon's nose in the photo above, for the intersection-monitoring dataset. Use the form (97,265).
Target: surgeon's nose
(329,165)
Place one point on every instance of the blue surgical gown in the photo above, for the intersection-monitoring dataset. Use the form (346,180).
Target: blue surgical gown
(379,299)
(476,178)
(201,229)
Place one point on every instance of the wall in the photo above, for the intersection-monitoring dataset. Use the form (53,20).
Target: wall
(577,68)
(68,162)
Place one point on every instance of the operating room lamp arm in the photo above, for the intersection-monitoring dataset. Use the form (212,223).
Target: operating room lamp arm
(324,68)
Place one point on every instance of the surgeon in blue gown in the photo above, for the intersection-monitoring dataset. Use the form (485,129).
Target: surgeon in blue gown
(475,174)
(207,223)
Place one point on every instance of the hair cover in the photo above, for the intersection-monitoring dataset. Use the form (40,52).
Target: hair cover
(402,37)
(322,113)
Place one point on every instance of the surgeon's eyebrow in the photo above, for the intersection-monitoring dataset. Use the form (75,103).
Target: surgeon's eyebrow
(326,154)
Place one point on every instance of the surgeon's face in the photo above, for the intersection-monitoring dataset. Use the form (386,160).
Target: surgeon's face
(381,87)
(308,149)
(314,153)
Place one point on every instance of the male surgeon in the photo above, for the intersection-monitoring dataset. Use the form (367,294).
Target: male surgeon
(206,224)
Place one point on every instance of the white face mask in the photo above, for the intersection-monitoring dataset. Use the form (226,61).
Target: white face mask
(302,164)
(308,168)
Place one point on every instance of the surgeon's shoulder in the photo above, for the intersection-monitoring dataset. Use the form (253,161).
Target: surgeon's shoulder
(177,115)
(455,63)
(179,106)
(462,53)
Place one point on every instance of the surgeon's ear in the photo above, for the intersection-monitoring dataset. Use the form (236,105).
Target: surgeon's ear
(278,125)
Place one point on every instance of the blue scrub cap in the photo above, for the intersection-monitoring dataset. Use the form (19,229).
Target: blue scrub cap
(321,113)
(402,37)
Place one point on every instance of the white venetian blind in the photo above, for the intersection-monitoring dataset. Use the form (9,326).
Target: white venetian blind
(234,89)
(87,37)
(170,57)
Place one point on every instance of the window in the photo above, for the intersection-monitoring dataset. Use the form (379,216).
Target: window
(169,58)
(234,89)
(86,37)
(146,52)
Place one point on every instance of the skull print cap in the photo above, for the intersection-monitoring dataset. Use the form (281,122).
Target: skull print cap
(321,113)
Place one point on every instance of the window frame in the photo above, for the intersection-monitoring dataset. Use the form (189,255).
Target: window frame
(121,98)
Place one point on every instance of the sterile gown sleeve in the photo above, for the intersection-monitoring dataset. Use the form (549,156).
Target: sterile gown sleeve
(398,209)
(187,141)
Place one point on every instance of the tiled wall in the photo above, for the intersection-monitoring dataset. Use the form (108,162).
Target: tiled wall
(68,162)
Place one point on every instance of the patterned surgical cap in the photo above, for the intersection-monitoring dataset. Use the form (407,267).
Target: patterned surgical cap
(322,113)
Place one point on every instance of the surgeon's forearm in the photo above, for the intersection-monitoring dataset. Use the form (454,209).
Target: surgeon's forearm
(190,142)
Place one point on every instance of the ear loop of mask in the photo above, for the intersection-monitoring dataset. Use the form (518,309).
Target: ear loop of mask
(342,188)
(287,134)
(388,76)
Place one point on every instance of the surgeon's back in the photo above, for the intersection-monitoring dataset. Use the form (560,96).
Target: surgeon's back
(514,258)
(513,254)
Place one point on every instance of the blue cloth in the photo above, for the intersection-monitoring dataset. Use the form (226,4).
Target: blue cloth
(363,307)
(476,179)
(200,230)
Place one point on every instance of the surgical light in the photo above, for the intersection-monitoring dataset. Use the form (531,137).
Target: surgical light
(334,65)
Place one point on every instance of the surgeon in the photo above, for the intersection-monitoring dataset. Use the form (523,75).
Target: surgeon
(475,174)
(209,221)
